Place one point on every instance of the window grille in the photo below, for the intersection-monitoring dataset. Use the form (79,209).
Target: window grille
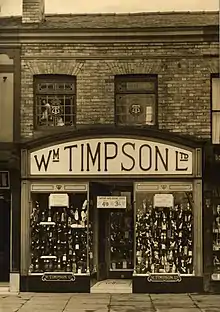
(55,100)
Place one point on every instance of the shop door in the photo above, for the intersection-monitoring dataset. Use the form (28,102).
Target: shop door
(4,239)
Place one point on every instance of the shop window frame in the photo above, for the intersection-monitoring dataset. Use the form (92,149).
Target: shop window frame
(147,78)
(169,187)
(30,188)
(54,79)
(214,111)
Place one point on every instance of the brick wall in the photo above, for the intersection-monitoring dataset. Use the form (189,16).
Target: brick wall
(183,80)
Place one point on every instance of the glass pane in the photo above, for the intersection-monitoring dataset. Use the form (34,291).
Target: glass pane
(55,110)
(164,234)
(59,234)
(46,87)
(121,239)
(216,127)
(216,93)
(56,87)
(127,86)
(216,238)
(135,108)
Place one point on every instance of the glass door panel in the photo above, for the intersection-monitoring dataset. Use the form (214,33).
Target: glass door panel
(121,240)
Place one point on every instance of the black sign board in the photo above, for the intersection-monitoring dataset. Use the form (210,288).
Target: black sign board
(164,278)
(58,277)
(4,180)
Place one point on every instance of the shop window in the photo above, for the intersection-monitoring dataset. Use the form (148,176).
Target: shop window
(164,233)
(216,237)
(60,233)
(55,100)
(136,98)
(215,85)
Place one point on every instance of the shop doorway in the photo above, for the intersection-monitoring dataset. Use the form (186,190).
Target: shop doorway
(115,233)
(4,238)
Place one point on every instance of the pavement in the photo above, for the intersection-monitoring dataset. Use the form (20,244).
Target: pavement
(57,302)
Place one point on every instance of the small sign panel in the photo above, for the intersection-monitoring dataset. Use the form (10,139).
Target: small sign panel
(4,180)
(59,200)
(118,202)
(163,200)
(58,277)
(216,276)
(164,278)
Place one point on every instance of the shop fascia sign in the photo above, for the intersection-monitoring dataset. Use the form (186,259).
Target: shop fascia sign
(111,156)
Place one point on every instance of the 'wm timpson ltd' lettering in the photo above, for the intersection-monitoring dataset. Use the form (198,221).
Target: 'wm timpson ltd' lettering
(102,156)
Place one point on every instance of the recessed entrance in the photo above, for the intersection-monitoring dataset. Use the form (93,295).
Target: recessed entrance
(4,238)
(115,238)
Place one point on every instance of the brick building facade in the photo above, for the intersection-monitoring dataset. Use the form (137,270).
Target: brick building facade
(124,82)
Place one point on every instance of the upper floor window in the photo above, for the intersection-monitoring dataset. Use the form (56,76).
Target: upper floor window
(55,100)
(215,85)
(136,98)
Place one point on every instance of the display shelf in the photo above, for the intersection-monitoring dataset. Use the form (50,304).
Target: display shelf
(77,226)
(57,272)
(47,223)
(119,270)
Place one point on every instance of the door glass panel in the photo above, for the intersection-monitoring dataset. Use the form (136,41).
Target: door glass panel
(121,240)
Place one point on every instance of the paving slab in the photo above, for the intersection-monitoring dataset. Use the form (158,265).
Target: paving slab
(178,310)
(45,302)
(131,309)
(86,310)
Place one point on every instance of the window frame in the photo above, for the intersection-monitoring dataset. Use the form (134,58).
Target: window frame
(136,78)
(53,78)
(213,111)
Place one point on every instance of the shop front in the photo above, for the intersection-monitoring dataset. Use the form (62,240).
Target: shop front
(111,206)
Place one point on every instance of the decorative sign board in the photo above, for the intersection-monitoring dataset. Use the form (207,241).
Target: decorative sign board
(112,156)
(164,278)
(111,202)
(58,277)
(163,200)
(4,180)
(59,200)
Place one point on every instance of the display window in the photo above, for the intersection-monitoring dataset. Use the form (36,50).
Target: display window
(60,233)
(216,237)
(164,232)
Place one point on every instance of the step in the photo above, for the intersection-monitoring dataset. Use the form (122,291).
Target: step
(4,288)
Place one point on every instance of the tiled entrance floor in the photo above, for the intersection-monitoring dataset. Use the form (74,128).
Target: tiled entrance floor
(113,286)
